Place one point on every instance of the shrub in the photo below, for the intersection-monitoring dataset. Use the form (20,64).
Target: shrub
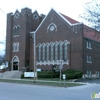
(22,76)
(48,74)
(73,74)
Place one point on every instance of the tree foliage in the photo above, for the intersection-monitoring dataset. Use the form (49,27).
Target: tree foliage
(2,59)
(92,14)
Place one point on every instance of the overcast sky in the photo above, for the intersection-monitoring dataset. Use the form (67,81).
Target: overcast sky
(71,8)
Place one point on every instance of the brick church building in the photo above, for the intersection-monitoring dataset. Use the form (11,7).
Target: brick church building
(50,40)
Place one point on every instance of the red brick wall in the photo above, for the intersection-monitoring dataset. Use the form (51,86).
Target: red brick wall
(64,32)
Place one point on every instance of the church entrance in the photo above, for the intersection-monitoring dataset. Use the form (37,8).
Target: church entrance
(15,64)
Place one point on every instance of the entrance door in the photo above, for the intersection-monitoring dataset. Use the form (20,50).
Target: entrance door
(15,63)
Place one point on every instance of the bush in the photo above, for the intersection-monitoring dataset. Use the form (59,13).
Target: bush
(22,76)
(73,74)
(48,74)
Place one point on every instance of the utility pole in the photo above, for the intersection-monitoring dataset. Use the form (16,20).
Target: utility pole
(61,66)
(34,53)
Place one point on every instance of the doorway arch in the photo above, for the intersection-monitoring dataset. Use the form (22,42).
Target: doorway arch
(15,63)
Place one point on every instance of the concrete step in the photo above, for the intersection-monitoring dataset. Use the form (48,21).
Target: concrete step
(11,74)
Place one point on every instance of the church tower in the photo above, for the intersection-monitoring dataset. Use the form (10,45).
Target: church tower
(19,26)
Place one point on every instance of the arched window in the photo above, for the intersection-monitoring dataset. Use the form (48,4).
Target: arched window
(16,15)
(61,50)
(65,51)
(16,30)
(47,51)
(17,44)
(43,52)
(15,47)
(56,51)
(14,44)
(52,27)
(51,51)
(39,52)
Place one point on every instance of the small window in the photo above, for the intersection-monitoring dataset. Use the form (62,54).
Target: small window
(35,16)
(89,59)
(16,30)
(52,27)
(16,15)
(88,45)
(15,47)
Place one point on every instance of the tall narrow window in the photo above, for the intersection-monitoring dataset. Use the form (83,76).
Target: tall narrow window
(17,46)
(61,50)
(88,45)
(14,31)
(43,52)
(89,59)
(39,52)
(51,51)
(47,52)
(56,51)
(18,28)
(14,44)
(65,51)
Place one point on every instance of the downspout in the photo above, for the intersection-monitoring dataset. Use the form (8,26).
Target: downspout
(83,49)
(70,56)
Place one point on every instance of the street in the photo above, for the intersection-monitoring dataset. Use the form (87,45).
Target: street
(13,91)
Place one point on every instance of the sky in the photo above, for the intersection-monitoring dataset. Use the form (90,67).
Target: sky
(71,8)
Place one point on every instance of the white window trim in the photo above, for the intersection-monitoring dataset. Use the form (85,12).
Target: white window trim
(55,27)
(56,51)
(16,15)
(65,51)
(61,50)
(88,45)
(51,52)
(87,58)
(15,27)
(16,36)
(47,52)
(15,47)
(43,52)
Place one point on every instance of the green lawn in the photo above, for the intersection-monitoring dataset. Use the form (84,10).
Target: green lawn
(43,82)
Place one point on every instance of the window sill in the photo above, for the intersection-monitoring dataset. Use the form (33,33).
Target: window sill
(16,36)
(15,51)
(89,62)
(89,48)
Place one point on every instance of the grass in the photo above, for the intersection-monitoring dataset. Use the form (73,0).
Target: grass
(44,82)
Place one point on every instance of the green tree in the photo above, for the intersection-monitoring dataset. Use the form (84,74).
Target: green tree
(92,14)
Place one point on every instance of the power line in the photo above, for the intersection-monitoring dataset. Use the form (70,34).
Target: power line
(2,11)
(9,18)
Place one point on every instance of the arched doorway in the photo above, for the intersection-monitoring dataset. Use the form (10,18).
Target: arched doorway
(15,63)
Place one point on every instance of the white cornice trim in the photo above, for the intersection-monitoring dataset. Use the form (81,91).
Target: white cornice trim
(66,19)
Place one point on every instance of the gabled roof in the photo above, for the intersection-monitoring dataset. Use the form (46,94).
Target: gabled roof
(72,21)
(88,32)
